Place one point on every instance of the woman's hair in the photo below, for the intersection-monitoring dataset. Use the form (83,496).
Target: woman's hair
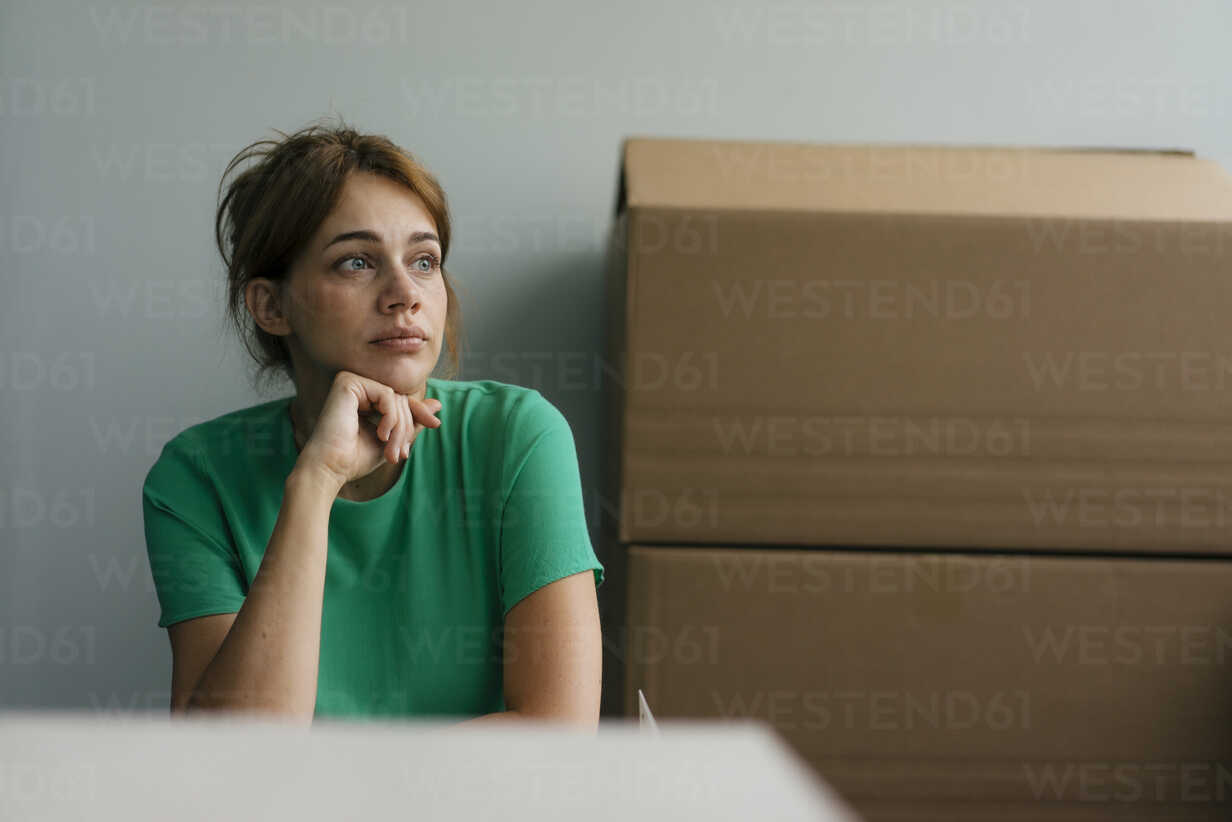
(272,209)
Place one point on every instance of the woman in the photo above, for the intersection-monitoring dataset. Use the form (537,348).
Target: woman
(382,543)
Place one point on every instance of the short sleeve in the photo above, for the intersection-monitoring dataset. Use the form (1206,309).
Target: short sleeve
(543,533)
(196,571)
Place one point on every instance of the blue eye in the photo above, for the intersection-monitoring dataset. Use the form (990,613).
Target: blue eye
(432,263)
(431,260)
(348,259)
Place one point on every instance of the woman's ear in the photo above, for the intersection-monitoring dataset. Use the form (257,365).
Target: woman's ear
(263,298)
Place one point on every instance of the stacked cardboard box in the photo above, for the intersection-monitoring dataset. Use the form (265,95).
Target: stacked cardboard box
(924,455)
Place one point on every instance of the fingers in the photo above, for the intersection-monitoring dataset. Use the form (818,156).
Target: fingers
(398,417)
(404,430)
(393,447)
(414,411)
(424,411)
(400,438)
(389,430)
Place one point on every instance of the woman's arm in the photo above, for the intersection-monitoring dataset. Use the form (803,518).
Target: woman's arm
(553,647)
(269,659)
(553,656)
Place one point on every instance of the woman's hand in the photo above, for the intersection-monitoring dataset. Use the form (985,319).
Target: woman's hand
(363,424)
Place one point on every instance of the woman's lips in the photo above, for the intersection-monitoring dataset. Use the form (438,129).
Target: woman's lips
(407,345)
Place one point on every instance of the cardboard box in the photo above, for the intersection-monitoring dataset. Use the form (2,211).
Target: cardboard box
(955,686)
(916,346)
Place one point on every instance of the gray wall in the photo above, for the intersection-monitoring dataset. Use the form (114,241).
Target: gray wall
(116,121)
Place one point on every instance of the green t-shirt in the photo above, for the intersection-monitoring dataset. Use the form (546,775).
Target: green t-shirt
(487,509)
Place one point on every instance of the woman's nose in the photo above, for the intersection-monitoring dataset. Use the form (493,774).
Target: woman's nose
(403,290)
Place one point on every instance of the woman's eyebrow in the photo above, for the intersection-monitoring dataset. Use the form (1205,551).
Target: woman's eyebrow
(372,236)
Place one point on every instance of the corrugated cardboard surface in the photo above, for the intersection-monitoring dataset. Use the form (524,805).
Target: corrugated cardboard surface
(924,347)
(779,176)
(955,686)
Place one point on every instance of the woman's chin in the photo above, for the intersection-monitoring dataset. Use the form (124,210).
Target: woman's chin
(403,377)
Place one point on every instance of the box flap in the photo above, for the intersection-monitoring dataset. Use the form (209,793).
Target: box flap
(1097,183)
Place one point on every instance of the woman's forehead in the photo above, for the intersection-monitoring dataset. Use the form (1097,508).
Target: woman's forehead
(383,207)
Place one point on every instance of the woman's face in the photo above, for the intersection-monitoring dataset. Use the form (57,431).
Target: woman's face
(372,266)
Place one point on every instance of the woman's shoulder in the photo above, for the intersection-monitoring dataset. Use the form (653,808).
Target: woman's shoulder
(492,396)
(255,430)
(501,406)
(495,389)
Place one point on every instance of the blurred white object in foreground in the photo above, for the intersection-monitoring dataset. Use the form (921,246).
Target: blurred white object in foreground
(64,766)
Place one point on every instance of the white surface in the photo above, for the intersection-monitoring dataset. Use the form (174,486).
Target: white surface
(59,766)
